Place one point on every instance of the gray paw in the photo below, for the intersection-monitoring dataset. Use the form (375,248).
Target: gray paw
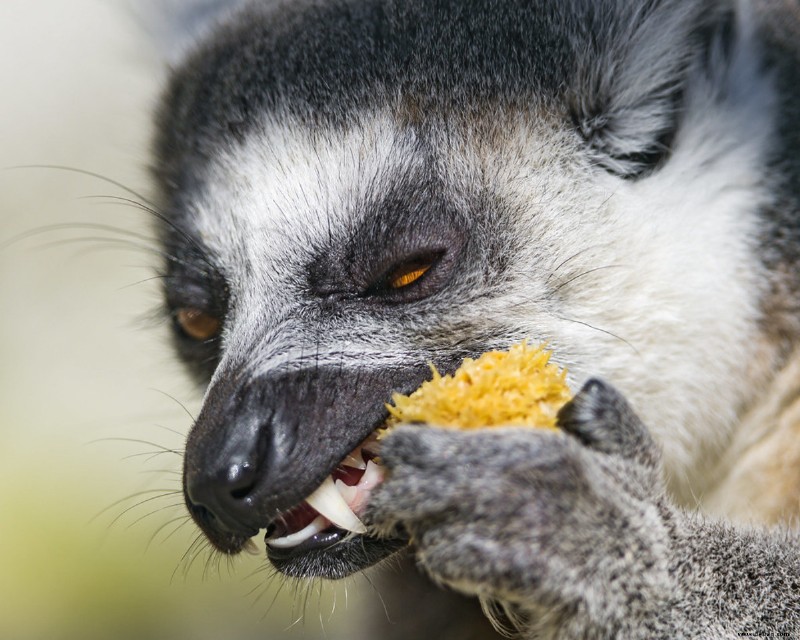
(467,498)
(540,520)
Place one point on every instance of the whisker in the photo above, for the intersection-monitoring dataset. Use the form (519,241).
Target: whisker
(161,276)
(265,589)
(164,219)
(142,502)
(85,172)
(182,519)
(181,434)
(110,242)
(319,609)
(207,564)
(561,264)
(151,455)
(380,597)
(121,500)
(174,505)
(583,274)
(100,247)
(138,201)
(264,568)
(309,589)
(195,542)
(161,447)
(122,243)
(187,520)
(202,548)
(230,564)
(110,199)
(179,403)
(293,624)
(197,546)
(73,226)
(333,605)
(172,472)
(605,331)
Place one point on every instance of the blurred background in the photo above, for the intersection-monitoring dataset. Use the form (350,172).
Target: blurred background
(94,542)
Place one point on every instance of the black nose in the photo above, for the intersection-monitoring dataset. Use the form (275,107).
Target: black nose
(223,497)
(230,452)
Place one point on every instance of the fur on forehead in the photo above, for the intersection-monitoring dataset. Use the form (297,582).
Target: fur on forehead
(326,63)
(266,206)
(276,197)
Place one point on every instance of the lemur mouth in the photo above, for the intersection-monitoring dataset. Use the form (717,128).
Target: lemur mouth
(328,520)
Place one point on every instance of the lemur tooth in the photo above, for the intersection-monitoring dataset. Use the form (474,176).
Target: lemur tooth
(355,460)
(372,477)
(348,493)
(318,524)
(331,504)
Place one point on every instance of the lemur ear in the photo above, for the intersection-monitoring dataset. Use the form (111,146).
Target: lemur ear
(174,25)
(631,82)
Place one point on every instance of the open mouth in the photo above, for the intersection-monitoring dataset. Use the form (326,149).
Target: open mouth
(328,521)
(295,453)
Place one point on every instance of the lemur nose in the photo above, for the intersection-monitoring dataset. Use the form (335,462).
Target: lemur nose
(224,495)
(232,451)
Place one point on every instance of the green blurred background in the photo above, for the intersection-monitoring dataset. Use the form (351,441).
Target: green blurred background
(91,542)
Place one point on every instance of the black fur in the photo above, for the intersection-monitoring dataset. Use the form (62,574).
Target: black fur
(325,62)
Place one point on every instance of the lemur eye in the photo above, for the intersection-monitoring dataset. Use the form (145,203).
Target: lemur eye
(408,274)
(198,324)
(410,278)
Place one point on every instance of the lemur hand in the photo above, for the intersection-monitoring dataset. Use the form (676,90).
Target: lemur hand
(571,532)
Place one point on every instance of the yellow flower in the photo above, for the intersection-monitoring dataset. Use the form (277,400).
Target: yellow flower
(501,388)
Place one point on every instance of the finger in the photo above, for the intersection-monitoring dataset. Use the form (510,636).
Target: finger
(601,418)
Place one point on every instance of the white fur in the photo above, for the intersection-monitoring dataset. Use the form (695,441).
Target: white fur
(671,315)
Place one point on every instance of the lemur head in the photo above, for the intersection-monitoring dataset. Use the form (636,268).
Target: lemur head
(355,189)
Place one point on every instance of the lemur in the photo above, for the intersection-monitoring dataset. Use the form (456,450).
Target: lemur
(353,189)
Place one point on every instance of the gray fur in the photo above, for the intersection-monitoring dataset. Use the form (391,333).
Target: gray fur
(617,178)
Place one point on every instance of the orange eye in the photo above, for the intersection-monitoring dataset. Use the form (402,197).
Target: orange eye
(198,324)
(408,274)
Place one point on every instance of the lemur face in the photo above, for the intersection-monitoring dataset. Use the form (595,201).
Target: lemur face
(344,206)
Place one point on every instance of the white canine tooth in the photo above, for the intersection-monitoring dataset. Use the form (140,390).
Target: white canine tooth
(355,460)
(330,503)
(320,523)
(372,477)
(348,493)
(358,495)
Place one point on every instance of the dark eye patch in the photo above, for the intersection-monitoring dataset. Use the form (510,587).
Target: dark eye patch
(402,246)
(196,299)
